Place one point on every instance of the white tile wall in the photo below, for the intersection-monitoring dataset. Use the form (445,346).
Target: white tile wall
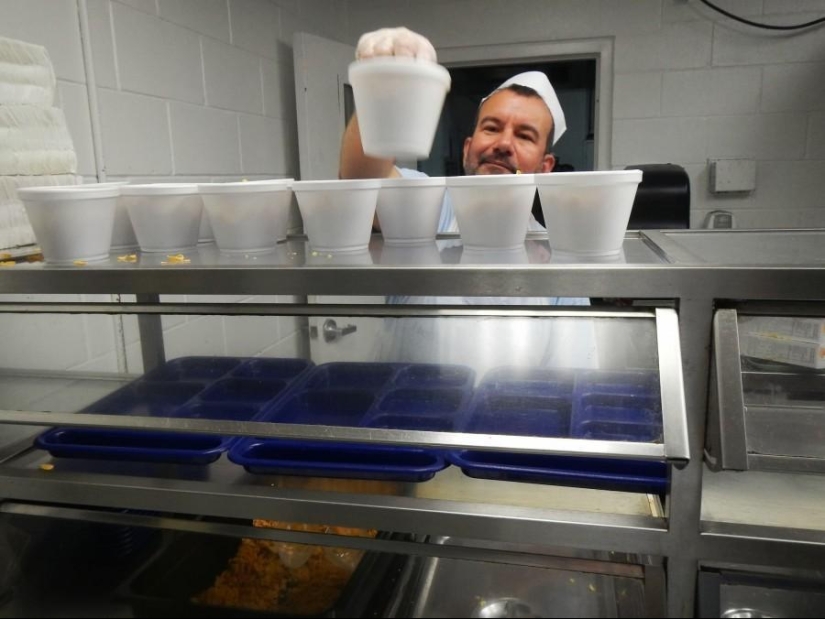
(262,141)
(794,87)
(127,120)
(51,23)
(676,46)
(255,26)
(816,137)
(762,136)
(637,95)
(205,140)
(659,140)
(732,45)
(233,78)
(711,91)
(682,10)
(74,100)
(797,6)
(157,57)
(209,17)
(103,47)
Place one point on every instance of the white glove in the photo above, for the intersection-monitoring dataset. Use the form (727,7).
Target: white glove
(394,42)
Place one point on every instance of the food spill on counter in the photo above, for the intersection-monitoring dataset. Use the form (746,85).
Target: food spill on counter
(47,466)
(7,263)
(176,259)
(127,258)
(259,576)
(79,263)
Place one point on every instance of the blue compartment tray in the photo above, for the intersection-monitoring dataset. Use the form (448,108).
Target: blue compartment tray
(616,406)
(218,388)
(373,395)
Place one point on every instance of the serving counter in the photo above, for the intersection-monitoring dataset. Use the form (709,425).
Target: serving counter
(563,502)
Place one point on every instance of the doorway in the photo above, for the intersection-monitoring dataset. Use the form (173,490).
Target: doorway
(575,85)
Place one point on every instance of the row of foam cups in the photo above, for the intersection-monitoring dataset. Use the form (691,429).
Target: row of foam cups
(87,222)
(585,212)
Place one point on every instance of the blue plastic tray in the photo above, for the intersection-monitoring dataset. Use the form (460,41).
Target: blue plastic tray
(337,460)
(218,388)
(598,473)
(550,403)
(375,395)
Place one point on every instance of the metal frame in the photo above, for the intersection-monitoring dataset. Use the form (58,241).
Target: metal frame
(683,539)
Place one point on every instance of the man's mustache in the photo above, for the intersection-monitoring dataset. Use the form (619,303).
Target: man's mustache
(498,161)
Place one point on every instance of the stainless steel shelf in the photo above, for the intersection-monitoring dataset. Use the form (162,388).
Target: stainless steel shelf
(293,270)
(449,504)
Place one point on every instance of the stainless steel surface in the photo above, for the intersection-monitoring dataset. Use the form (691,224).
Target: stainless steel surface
(486,442)
(766,419)
(504,607)
(226,491)
(674,415)
(458,588)
(744,613)
(291,269)
(333,333)
(753,247)
(685,499)
(786,431)
(477,550)
(779,267)
(726,433)
(151,335)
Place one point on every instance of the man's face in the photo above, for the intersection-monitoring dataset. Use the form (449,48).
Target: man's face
(511,135)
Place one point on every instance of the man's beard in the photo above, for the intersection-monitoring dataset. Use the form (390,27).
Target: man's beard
(507,166)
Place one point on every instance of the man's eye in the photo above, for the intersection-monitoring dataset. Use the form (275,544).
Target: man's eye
(527,136)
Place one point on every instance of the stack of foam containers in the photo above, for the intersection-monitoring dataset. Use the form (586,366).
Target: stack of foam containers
(35,146)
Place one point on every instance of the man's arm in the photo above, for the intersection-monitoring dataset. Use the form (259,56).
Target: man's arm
(355,164)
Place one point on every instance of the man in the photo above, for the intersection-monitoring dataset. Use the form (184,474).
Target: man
(515,130)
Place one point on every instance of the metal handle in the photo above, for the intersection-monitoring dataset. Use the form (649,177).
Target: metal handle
(332,332)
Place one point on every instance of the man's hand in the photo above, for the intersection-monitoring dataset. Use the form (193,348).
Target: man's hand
(394,42)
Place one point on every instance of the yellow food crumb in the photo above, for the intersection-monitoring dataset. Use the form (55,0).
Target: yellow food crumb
(315,253)
(127,258)
(80,263)
(5,255)
(176,259)
(518,171)
(7,263)
(47,467)
(572,581)
(592,587)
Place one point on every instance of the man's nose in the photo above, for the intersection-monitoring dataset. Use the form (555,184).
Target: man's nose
(504,143)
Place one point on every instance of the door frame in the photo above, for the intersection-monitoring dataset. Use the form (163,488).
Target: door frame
(600,49)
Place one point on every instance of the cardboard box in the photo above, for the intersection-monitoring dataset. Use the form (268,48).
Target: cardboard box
(787,339)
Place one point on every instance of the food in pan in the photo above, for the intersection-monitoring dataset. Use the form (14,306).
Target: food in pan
(308,582)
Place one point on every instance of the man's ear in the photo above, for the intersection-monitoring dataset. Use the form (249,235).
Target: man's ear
(548,163)
(467,142)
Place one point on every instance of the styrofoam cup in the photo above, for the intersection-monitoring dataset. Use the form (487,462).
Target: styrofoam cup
(409,209)
(399,101)
(587,212)
(72,222)
(338,215)
(492,210)
(248,216)
(166,216)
